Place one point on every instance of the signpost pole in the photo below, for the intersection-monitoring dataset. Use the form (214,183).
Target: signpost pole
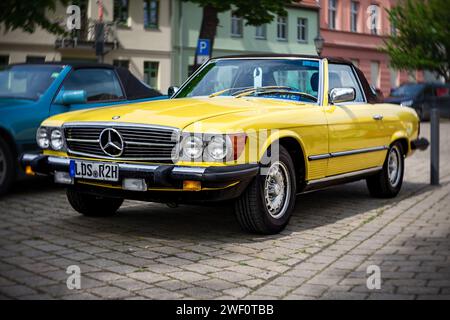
(434,127)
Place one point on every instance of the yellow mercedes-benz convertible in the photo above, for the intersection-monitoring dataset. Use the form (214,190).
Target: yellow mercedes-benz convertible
(256,130)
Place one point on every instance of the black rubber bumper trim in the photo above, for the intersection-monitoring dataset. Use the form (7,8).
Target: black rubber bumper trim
(162,174)
(420,144)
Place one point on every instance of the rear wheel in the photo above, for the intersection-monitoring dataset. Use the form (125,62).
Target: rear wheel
(93,206)
(267,203)
(388,182)
(7,167)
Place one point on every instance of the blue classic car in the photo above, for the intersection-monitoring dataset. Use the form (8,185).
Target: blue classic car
(30,93)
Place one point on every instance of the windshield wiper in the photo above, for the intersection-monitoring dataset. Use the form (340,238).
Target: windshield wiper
(218,93)
(275,89)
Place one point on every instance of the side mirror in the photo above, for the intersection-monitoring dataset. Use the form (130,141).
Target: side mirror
(68,97)
(172,90)
(338,95)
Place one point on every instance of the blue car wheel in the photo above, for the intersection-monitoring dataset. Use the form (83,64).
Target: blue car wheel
(7,170)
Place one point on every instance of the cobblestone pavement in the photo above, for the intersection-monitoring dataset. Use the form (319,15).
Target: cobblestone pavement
(151,251)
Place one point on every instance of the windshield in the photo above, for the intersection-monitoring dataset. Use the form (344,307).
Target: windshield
(27,81)
(407,90)
(275,78)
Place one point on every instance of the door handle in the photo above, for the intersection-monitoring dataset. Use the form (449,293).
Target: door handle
(377,117)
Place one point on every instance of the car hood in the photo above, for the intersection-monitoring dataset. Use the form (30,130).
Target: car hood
(178,113)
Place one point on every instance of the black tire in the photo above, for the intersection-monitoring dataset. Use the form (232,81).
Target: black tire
(251,209)
(383,184)
(7,167)
(93,206)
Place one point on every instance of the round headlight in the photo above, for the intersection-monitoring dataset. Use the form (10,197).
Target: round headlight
(56,139)
(217,148)
(192,147)
(42,138)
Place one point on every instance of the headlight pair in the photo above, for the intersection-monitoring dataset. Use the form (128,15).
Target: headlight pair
(211,147)
(47,137)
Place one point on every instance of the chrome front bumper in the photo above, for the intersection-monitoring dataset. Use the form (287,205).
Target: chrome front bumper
(161,175)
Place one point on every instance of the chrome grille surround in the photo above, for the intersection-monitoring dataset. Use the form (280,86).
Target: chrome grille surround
(141,142)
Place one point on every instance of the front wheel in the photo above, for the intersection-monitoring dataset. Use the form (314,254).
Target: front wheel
(7,167)
(388,182)
(267,203)
(93,206)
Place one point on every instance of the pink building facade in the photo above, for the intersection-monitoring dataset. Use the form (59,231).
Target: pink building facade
(356,30)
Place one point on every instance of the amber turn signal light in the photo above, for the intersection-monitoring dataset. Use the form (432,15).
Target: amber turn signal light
(29,171)
(192,185)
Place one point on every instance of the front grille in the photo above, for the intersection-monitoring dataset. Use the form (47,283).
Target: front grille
(140,143)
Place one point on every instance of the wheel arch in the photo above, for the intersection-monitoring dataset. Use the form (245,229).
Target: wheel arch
(404,140)
(294,145)
(8,138)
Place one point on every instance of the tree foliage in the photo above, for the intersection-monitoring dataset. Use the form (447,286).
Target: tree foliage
(422,37)
(29,15)
(255,12)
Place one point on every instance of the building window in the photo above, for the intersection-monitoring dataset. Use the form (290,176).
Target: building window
(237,26)
(354,9)
(302,29)
(151,73)
(35,59)
(121,12)
(375,74)
(374,11)
(282,28)
(122,64)
(261,32)
(4,60)
(151,14)
(394,77)
(332,14)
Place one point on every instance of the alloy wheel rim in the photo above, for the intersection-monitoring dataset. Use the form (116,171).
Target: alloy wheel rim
(277,190)
(394,167)
(2,167)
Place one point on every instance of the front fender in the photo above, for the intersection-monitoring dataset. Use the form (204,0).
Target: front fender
(276,135)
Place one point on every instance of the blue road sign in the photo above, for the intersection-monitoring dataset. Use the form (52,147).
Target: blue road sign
(203,47)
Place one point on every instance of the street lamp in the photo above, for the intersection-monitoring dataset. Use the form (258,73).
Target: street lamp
(319,42)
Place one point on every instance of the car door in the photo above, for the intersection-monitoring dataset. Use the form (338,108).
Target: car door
(101,85)
(355,139)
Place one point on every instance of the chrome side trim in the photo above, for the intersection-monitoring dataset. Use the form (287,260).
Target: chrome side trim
(320,157)
(358,151)
(344,175)
(346,153)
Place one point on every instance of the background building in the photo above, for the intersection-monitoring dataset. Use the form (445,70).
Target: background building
(356,30)
(292,34)
(139,38)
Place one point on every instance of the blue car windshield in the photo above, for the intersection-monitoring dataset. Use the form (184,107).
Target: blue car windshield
(291,79)
(27,81)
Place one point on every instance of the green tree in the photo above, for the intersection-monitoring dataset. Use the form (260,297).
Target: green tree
(255,13)
(422,37)
(28,15)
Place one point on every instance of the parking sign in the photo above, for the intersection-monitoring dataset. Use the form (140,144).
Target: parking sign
(203,50)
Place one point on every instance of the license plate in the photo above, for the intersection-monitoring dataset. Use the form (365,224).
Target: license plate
(94,170)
